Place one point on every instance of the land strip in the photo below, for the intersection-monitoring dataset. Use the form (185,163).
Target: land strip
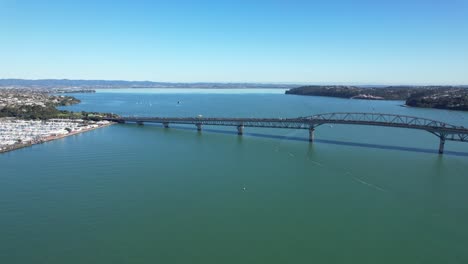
(440,97)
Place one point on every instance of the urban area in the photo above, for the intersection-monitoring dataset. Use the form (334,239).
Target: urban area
(29,116)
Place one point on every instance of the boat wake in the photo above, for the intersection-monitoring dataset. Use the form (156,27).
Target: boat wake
(369,184)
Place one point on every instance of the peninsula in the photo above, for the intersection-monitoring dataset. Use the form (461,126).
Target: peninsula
(440,97)
(30,117)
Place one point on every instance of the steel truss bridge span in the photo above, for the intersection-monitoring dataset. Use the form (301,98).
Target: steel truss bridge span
(442,130)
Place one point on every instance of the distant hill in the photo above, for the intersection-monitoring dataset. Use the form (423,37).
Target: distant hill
(102,84)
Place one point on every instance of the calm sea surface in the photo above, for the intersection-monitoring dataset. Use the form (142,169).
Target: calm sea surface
(145,194)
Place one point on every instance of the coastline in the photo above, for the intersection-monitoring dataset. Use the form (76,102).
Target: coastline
(452,98)
(51,138)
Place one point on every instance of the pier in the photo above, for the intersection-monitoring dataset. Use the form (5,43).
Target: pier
(440,129)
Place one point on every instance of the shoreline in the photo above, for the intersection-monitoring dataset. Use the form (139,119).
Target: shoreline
(51,138)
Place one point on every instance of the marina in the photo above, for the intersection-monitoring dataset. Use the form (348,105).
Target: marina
(15,134)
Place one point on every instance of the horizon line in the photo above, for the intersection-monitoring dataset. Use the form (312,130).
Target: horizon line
(241,82)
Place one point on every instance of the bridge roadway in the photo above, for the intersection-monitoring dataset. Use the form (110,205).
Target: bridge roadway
(440,129)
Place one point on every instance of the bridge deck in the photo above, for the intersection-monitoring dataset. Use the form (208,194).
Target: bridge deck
(442,130)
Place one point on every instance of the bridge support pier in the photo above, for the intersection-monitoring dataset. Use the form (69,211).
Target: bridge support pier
(311,134)
(240,130)
(140,123)
(199,126)
(166,124)
(442,144)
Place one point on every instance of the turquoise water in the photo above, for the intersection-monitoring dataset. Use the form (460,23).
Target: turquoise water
(145,194)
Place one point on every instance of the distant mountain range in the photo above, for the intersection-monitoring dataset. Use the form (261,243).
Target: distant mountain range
(102,84)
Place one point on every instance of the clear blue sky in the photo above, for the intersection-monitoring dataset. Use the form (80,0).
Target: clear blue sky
(358,41)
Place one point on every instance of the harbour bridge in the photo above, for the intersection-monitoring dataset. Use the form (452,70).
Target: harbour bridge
(440,129)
